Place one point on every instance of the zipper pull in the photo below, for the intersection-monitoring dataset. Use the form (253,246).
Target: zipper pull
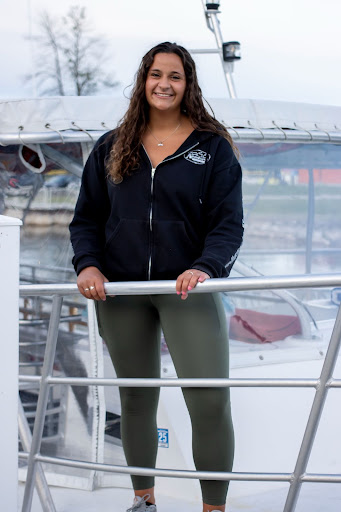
(153,171)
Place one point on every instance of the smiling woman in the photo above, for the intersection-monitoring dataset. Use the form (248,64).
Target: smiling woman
(161,199)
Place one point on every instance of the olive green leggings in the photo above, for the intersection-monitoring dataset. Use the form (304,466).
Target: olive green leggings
(196,335)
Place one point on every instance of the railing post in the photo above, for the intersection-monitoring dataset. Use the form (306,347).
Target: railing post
(43,490)
(315,415)
(9,321)
(47,370)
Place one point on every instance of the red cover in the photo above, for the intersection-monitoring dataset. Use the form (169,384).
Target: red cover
(255,327)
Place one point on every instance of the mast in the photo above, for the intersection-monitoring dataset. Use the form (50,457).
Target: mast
(229,52)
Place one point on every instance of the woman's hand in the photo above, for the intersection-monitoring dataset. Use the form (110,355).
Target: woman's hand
(188,280)
(90,283)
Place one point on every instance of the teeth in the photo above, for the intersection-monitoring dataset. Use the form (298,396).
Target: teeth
(163,95)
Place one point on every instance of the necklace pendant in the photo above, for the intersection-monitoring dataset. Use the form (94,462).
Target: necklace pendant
(160,144)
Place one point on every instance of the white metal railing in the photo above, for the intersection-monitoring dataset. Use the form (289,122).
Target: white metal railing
(252,134)
(322,386)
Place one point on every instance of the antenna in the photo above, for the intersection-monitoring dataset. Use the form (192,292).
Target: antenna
(229,52)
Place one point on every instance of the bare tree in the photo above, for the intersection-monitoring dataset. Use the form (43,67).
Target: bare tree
(70,60)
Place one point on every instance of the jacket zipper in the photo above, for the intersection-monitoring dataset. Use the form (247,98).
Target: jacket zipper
(153,169)
(150,220)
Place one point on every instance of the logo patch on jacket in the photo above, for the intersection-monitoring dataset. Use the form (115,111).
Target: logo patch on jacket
(196,156)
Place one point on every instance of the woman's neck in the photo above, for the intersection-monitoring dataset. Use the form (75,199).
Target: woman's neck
(159,121)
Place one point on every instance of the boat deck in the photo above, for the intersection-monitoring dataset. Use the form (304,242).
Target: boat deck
(313,498)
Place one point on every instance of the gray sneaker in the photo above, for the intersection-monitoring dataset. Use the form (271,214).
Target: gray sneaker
(139,505)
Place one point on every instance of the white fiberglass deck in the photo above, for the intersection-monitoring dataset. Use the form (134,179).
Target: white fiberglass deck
(313,498)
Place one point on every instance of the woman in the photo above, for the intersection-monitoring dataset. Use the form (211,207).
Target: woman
(161,199)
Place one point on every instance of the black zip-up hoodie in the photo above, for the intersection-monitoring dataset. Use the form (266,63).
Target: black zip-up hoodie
(157,223)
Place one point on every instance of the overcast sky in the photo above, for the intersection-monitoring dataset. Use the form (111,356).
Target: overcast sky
(291,49)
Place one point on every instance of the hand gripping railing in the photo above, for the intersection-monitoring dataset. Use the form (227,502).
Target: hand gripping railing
(322,384)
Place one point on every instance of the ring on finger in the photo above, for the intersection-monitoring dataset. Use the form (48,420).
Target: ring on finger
(86,289)
(189,272)
(91,288)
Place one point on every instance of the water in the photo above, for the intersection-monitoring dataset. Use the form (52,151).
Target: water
(290,264)
(42,248)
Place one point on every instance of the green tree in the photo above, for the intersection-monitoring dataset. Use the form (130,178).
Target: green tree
(70,59)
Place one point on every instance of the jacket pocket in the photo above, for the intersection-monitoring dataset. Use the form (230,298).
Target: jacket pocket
(173,250)
(126,250)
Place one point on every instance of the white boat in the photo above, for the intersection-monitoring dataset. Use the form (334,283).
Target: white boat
(291,157)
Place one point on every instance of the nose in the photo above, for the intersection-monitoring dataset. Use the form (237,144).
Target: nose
(164,82)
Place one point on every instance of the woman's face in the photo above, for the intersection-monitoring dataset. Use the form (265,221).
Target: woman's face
(166,82)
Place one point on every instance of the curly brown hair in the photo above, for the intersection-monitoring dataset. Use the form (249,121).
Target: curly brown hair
(124,154)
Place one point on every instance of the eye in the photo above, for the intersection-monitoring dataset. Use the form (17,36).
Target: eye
(175,77)
(154,74)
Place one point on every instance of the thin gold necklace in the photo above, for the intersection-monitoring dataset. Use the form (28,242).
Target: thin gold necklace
(160,142)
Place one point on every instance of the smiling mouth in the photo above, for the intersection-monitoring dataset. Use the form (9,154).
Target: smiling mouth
(163,95)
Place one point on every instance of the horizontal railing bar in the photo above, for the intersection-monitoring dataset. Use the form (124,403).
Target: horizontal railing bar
(173,473)
(315,477)
(31,363)
(211,285)
(49,137)
(205,50)
(31,343)
(176,473)
(79,381)
(308,477)
(334,383)
(239,134)
(147,383)
(29,378)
